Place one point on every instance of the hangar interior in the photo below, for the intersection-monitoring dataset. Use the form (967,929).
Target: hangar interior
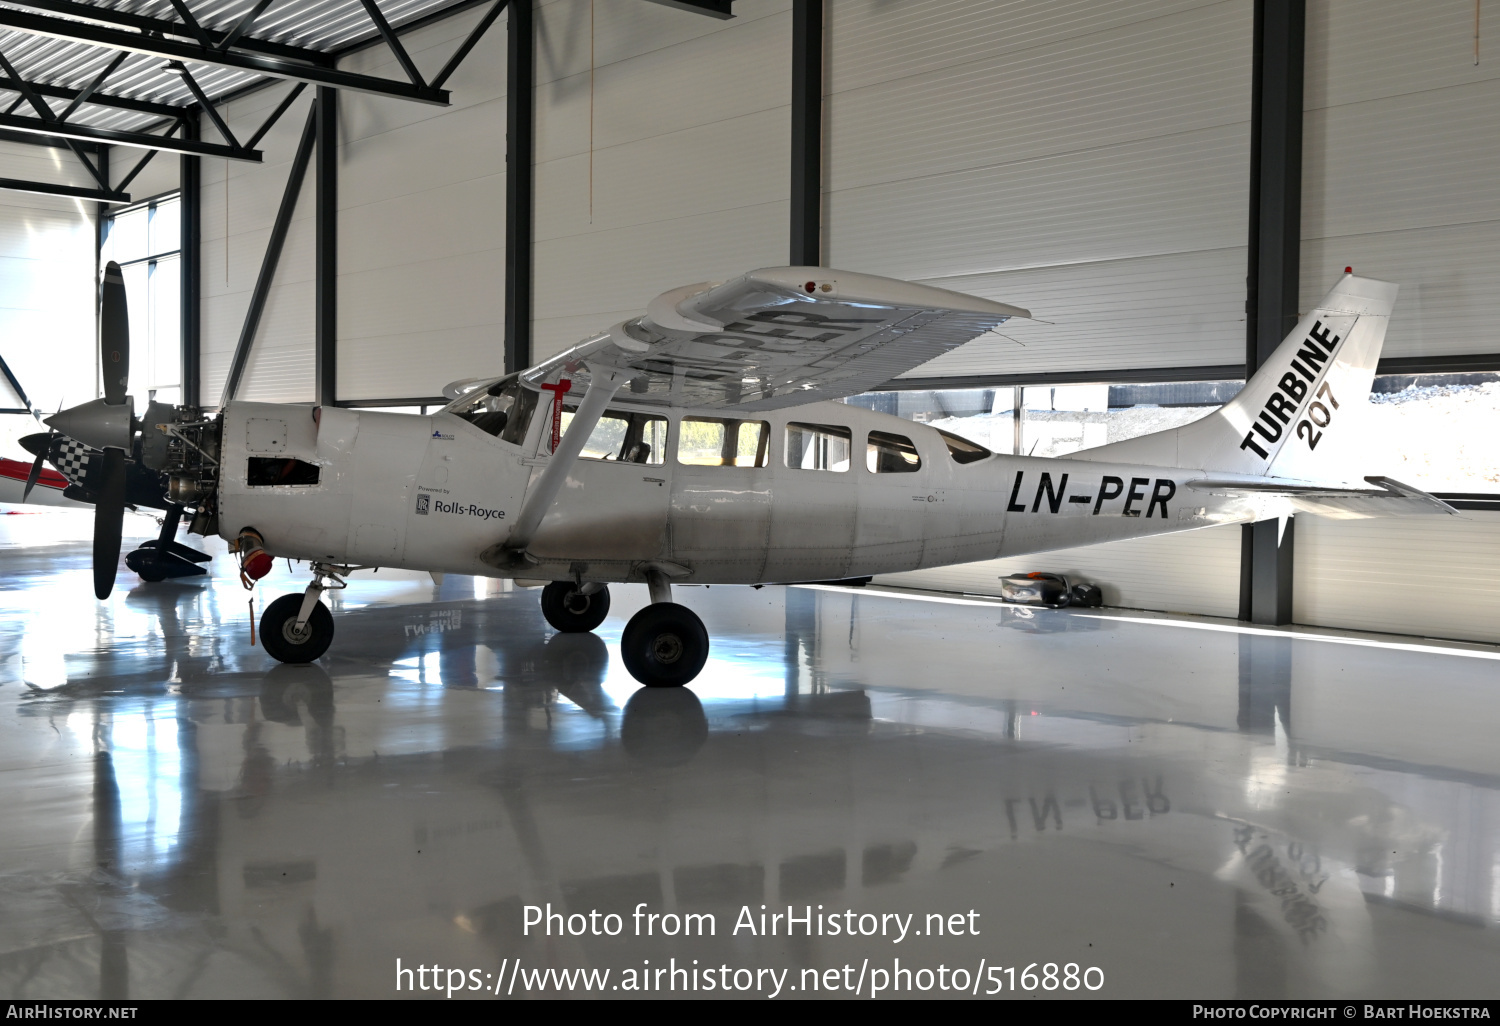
(354,204)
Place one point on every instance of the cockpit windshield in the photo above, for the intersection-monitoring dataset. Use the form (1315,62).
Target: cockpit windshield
(503,409)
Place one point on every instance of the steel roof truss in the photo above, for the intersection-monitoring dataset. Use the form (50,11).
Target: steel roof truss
(468,44)
(204,103)
(141,140)
(243,25)
(384,28)
(98,99)
(180,50)
(71,191)
(93,87)
(143,23)
(275,115)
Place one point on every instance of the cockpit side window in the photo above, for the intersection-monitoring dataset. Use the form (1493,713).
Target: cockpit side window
(623,437)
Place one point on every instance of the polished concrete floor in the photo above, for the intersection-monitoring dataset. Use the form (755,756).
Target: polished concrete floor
(1171,806)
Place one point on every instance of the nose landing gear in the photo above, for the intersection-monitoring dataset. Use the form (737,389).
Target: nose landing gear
(299,628)
(575,609)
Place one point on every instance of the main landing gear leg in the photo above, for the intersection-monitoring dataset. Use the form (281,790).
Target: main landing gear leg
(664,645)
(299,628)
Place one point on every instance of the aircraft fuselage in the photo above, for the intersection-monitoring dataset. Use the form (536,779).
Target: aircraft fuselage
(434,492)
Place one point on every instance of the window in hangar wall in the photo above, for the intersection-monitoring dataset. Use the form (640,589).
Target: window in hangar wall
(146,241)
(1438,432)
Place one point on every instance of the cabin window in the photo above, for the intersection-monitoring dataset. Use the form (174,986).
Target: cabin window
(818,447)
(891,454)
(962,450)
(714,442)
(265,471)
(623,437)
(504,409)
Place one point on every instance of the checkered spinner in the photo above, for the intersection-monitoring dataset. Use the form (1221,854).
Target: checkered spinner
(72,459)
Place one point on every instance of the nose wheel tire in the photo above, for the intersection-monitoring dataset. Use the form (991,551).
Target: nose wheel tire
(280,637)
(664,645)
(570,611)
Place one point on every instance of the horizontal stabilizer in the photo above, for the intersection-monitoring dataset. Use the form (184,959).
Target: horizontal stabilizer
(1388,499)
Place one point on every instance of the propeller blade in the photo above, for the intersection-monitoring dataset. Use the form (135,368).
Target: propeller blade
(109,521)
(114,335)
(36,472)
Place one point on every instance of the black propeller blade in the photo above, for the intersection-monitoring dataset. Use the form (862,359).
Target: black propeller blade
(36,472)
(114,335)
(39,444)
(109,520)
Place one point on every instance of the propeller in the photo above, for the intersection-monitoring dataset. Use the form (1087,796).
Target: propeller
(39,445)
(36,470)
(107,424)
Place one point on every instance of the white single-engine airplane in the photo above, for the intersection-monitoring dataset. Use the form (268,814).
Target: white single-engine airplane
(697,444)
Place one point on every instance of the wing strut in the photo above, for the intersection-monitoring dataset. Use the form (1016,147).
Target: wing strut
(604,382)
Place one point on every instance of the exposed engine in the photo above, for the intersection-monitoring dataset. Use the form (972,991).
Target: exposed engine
(181,447)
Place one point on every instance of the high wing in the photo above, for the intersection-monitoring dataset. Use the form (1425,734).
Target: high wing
(1388,499)
(776,337)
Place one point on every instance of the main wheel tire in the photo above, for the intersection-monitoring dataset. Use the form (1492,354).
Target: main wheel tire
(571,612)
(664,645)
(278,637)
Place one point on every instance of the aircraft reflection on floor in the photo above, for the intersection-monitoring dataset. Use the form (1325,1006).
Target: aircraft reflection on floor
(188,819)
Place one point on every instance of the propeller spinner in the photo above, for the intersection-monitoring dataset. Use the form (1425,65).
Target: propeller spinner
(107,424)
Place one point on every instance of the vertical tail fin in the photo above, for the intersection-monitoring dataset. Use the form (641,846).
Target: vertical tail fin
(1287,420)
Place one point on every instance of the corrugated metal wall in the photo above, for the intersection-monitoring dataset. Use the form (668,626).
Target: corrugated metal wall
(422,222)
(685,178)
(1401,143)
(1402,139)
(1432,576)
(1088,160)
(239,203)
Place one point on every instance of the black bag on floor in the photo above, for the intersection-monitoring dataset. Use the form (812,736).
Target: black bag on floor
(1035,589)
(1087,595)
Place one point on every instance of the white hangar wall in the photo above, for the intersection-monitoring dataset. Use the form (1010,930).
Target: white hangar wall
(47,263)
(1400,141)
(238,204)
(421,295)
(1088,160)
(421,221)
(667,165)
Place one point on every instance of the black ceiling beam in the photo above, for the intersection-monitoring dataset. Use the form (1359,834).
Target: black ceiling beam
(72,191)
(713,8)
(358,45)
(139,140)
(165,110)
(384,28)
(51,141)
(143,23)
(174,50)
